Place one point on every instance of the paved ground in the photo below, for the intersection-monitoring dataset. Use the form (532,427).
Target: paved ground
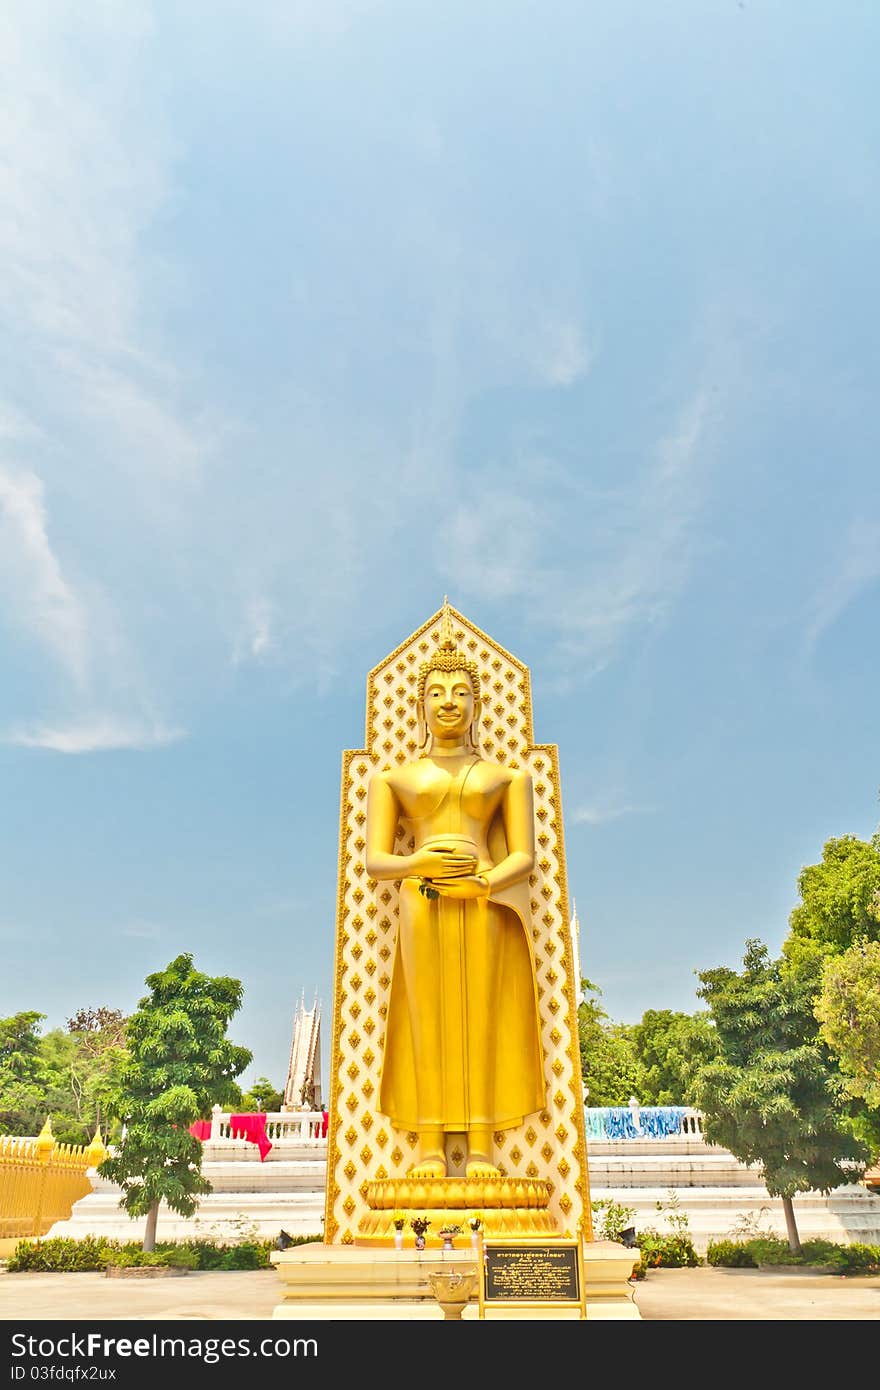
(786,1295)
(677,1294)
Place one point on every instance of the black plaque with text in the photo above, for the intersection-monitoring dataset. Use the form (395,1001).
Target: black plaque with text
(532,1272)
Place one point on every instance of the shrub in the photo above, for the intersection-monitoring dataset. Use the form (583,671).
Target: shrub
(250,1254)
(856,1259)
(612,1218)
(61,1255)
(773,1250)
(208,1254)
(676,1251)
(673,1250)
(179,1258)
(730,1254)
(819,1252)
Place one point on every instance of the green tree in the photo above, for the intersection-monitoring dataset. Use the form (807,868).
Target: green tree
(61,1099)
(609,1066)
(840,901)
(773,1096)
(179,1064)
(839,909)
(23,1077)
(670,1048)
(848,1010)
(261,1096)
(80,1067)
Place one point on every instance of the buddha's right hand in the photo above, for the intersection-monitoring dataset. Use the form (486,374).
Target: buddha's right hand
(438,862)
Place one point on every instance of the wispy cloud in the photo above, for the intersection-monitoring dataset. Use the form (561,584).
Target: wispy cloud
(857,567)
(85,161)
(635,548)
(257,636)
(15,426)
(296,20)
(561,354)
(272,550)
(33,591)
(75,200)
(653,525)
(527,323)
(95,736)
(97,674)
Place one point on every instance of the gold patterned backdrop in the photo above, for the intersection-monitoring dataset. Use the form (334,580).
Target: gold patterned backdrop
(362,1145)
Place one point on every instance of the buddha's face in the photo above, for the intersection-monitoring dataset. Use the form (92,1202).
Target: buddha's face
(449,703)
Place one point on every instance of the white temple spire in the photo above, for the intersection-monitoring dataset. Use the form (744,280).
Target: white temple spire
(304,1067)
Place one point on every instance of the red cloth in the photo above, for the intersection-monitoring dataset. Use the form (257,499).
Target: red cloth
(325,1121)
(201,1129)
(253,1129)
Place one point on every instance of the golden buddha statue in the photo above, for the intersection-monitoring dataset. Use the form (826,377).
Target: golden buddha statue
(463,1047)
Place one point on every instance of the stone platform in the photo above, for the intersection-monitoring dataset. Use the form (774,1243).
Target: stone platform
(349,1282)
(249,1198)
(721,1197)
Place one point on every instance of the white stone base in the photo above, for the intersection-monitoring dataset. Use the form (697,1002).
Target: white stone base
(246,1202)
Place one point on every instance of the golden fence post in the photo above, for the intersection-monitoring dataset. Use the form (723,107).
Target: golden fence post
(96,1152)
(43,1152)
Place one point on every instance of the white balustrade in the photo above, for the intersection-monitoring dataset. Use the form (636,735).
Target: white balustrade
(297,1126)
(281,1125)
(692,1123)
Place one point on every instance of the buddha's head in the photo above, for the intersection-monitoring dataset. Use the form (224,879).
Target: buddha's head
(448,698)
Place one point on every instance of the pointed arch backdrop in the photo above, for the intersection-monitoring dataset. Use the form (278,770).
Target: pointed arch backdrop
(362,1145)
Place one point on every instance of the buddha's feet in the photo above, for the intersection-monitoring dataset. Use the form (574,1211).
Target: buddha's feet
(428,1168)
(478,1167)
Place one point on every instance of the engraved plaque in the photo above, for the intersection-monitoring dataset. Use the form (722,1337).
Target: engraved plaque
(533,1272)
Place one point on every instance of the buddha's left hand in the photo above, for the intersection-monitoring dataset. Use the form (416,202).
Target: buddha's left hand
(468,886)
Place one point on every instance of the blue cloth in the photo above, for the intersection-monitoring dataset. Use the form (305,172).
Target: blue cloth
(594,1121)
(616,1121)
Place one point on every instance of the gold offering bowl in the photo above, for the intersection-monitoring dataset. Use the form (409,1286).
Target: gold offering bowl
(453,1291)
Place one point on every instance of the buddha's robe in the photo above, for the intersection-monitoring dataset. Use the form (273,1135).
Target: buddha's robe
(462,1041)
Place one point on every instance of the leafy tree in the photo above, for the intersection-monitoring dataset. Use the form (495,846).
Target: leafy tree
(840,901)
(22,1074)
(59,1099)
(848,1010)
(838,911)
(98,1029)
(670,1048)
(179,1064)
(609,1066)
(773,1096)
(79,1067)
(60,1074)
(100,1036)
(262,1096)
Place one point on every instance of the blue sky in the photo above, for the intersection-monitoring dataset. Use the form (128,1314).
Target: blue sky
(315,312)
